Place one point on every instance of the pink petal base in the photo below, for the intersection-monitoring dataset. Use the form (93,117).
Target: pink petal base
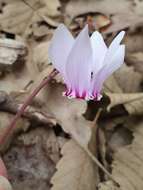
(85,95)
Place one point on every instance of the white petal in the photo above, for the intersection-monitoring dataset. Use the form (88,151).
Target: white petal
(78,67)
(113,47)
(107,70)
(99,50)
(60,47)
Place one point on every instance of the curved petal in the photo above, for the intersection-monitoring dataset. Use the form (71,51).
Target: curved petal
(107,70)
(113,47)
(78,67)
(110,53)
(99,50)
(60,46)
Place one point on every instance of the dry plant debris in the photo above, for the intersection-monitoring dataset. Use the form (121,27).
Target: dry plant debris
(75,174)
(54,143)
(127,164)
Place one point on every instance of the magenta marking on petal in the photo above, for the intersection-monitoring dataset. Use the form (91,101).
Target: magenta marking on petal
(67,92)
(82,96)
(97,96)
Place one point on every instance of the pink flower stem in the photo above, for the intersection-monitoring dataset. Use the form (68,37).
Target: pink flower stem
(27,103)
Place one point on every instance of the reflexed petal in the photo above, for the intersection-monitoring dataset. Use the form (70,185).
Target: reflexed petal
(78,67)
(60,47)
(116,61)
(99,50)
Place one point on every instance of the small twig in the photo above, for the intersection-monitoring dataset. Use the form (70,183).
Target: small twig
(101,166)
(95,160)
(26,104)
(97,116)
(90,154)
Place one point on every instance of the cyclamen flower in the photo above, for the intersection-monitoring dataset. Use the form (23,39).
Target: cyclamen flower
(85,62)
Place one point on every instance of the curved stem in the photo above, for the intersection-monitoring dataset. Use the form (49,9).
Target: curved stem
(26,103)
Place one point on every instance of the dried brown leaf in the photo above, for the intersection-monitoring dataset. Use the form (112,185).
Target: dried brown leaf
(68,113)
(40,56)
(124,80)
(76,171)
(20,20)
(72,121)
(133,102)
(127,165)
(108,185)
(136,60)
(123,13)
(81,7)
(11,52)
(123,87)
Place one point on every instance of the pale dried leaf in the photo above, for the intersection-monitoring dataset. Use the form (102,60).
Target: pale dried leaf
(123,13)
(111,85)
(136,60)
(11,51)
(127,165)
(133,42)
(15,81)
(81,7)
(16,20)
(4,184)
(133,102)
(20,21)
(125,80)
(69,115)
(123,87)
(53,7)
(108,185)
(67,112)
(75,171)
(40,56)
